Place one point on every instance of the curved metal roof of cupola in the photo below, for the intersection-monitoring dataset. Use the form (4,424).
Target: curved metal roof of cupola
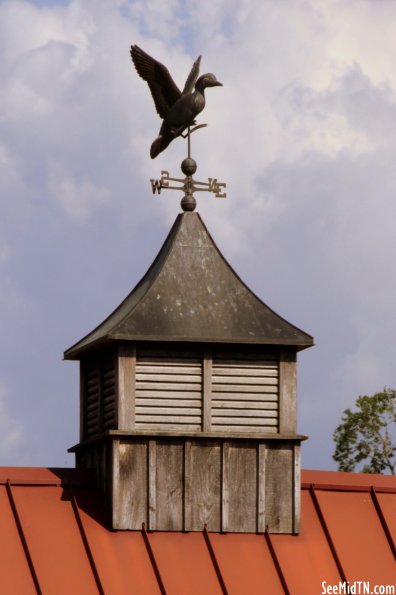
(191,294)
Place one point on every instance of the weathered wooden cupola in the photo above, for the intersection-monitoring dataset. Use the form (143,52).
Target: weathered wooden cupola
(188,398)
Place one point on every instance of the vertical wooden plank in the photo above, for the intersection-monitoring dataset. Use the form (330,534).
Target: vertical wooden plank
(205,485)
(114,481)
(287,392)
(152,485)
(242,487)
(207,391)
(297,489)
(129,484)
(261,487)
(225,481)
(169,485)
(126,383)
(279,487)
(187,487)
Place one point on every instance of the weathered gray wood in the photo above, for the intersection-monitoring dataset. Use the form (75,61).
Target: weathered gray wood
(169,486)
(207,391)
(152,484)
(287,392)
(245,413)
(229,421)
(245,380)
(125,410)
(225,484)
(169,386)
(243,431)
(279,492)
(187,496)
(261,468)
(172,419)
(165,394)
(240,485)
(194,403)
(240,388)
(245,405)
(168,429)
(167,368)
(129,485)
(260,372)
(264,398)
(142,377)
(297,488)
(205,486)
(168,411)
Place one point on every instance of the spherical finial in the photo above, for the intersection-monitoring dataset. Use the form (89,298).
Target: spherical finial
(188,202)
(189,166)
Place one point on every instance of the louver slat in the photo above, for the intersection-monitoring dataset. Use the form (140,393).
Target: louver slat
(168,390)
(245,393)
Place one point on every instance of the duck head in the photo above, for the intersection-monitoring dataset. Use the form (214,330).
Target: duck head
(207,80)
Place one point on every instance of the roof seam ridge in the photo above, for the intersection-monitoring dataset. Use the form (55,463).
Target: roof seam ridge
(384,524)
(327,533)
(22,537)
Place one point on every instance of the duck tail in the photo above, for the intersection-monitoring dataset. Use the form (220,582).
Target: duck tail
(159,145)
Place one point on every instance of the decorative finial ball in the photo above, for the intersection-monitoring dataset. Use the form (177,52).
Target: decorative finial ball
(189,166)
(188,202)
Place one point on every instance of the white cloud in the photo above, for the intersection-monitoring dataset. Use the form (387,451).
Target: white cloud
(303,132)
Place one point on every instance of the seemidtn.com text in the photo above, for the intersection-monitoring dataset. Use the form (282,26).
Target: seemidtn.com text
(357,588)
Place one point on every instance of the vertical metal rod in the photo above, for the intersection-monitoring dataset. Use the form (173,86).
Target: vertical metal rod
(188,144)
(276,562)
(327,532)
(214,561)
(85,541)
(23,538)
(383,520)
(153,560)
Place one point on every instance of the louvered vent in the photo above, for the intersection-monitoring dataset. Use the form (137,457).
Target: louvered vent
(245,393)
(108,392)
(169,390)
(91,397)
(99,394)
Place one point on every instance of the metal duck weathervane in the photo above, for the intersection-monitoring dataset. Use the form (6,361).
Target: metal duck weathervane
(178,110)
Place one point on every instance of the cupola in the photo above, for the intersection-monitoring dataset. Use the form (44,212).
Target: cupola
(188,398)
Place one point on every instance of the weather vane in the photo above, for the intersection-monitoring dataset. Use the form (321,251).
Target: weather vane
(178,110)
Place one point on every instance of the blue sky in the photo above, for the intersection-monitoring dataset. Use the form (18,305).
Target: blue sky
(304,134)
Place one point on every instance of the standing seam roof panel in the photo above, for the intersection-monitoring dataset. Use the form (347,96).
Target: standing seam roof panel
(121,557)
(184,563)
(14,570)
(306,559)
(244,559)
(358,536)
(388,508)
(54,540)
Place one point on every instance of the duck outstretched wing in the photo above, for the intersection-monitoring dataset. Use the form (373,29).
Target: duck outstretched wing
(163,88)
(192,77)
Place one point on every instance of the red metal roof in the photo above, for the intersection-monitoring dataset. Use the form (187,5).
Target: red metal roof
(54,540)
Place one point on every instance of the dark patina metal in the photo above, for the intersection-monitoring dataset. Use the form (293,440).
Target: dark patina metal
(178,109)
(191,294)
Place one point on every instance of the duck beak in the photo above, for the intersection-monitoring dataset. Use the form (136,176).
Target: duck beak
(217,84)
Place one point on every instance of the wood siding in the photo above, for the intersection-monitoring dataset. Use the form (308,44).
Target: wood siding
(225,485)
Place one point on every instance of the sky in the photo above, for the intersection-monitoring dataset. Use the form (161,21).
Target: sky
(304,134)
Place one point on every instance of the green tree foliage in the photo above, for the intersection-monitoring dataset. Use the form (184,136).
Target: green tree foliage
(367,436)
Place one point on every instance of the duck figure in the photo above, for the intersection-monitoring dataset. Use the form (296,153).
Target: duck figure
(177,109)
